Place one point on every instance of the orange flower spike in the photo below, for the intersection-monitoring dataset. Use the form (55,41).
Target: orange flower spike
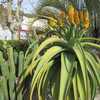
(70,13)
(76,17)
(86,24)
(81,15)
(86,20)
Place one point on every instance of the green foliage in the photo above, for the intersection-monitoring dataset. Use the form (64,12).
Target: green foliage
(16,44)
(10,70)
(65,65)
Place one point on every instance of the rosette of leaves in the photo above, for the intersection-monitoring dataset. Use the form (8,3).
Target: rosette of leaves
(65,66)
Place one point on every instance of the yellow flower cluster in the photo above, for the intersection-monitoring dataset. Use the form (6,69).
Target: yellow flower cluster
(73,16)
(52,22)
(86,21)
(76,17)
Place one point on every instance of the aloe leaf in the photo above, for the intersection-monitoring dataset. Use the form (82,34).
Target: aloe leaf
(1,95)
(94,66)
(1,89)
(81,89)
(89,89)
(55,82)
(65,78)
(41,79)
(15,57)
(11,61)
(90,38)
(12,76)
(96,57)
(91,45)
(39,85)
(5,88)
(75,89)
(92,80)
(82,60)
(52,52)
(31,46)
(27,72)
(51,77)
(20,70)
(55,87)
(21,63)
(28,60)
(68,97)
(48,42)
(93,87)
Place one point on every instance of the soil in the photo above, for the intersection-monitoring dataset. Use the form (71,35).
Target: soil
(97,97)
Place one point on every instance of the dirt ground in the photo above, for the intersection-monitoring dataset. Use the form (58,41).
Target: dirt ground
(97,97)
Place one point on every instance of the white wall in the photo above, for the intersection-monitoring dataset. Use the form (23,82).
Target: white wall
(5,34)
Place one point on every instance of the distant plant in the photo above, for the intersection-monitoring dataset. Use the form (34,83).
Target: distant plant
(12,64)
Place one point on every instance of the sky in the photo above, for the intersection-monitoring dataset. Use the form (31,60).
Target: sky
(27,5)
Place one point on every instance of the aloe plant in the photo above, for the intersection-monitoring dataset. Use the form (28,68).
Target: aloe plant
(66,65)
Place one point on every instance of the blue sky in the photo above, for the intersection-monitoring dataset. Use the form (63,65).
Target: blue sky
(27,5)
